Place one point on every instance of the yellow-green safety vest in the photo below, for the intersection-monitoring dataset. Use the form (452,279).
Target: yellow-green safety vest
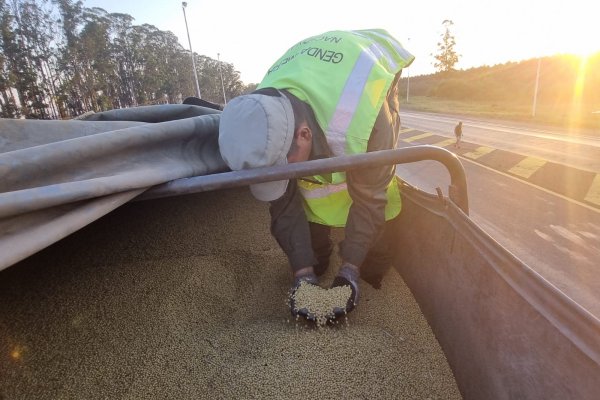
(345,77)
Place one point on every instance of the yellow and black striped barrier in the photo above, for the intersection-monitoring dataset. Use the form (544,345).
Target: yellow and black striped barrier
(568,181)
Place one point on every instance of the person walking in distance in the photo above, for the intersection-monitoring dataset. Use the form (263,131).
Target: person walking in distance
(458,134)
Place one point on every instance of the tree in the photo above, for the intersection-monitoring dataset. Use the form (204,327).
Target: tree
(8,51)
(38,31)
(123,50)
(446,56)
(71,97)
(21,56)
(59,59)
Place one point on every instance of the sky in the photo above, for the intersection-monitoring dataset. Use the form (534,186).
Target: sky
(253,34)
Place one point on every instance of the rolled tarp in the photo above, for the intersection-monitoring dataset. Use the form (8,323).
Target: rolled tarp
(58,176)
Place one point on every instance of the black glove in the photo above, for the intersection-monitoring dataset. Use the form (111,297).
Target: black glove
(347,276)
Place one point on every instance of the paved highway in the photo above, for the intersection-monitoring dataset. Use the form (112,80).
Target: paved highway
(579,151)
(548,215)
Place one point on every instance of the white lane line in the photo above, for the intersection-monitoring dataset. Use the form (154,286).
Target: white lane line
(593,194)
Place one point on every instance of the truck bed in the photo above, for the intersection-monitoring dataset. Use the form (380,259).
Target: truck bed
(186,298)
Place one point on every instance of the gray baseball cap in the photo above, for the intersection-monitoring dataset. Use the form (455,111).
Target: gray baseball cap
(257,130)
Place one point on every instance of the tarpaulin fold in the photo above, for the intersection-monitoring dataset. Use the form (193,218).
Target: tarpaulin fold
(58,176)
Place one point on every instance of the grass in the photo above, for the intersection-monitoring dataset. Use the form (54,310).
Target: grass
(584,122)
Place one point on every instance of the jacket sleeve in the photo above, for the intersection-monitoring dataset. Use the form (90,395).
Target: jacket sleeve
(290,228)
(367,187)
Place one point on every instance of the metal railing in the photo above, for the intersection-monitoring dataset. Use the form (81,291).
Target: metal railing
(457,190)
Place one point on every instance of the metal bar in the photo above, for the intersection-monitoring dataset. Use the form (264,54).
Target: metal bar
(457,190)
(183,6)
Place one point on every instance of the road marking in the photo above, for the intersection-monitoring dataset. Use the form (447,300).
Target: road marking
(417,137)
(405,130)
(527,166)
(478,152)
(593,195)
(445,143)
(543,189)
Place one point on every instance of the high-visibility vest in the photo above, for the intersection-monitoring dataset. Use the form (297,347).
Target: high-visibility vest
(345,77)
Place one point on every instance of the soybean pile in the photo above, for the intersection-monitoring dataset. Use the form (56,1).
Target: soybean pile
(186,298)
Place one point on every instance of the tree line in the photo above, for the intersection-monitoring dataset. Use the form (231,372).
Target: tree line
(563,79)
(60,59)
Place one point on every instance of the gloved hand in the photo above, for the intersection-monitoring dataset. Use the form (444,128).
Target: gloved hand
(347,276)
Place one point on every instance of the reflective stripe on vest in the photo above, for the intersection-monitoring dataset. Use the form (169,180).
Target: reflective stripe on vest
(314,191)
(397,47)
(349,100)
(330,204)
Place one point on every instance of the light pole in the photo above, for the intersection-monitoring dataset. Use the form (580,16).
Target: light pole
(221,73)
(408,78)
(183,6)
(535,91)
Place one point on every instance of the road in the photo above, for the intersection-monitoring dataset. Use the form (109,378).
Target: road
(579,151)
(556,234)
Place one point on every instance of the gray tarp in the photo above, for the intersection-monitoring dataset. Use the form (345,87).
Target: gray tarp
(58,176)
